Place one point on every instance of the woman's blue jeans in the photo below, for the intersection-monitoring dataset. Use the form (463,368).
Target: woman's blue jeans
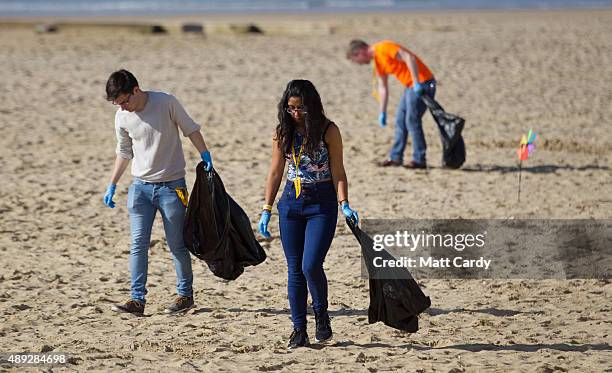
(307,227)
(144,199)
(408,120)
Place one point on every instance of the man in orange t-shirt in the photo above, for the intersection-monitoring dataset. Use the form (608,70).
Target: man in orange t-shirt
(392,58)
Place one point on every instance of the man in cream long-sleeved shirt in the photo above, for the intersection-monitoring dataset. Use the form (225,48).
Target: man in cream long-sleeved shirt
(147,126)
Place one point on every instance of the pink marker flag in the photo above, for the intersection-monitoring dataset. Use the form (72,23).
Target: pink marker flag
(526,147)
(523,153)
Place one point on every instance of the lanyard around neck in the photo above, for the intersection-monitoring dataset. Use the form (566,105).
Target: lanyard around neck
(297,183)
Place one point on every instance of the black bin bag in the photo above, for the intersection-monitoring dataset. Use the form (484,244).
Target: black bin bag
(450,127)
(396,300)
(217,230)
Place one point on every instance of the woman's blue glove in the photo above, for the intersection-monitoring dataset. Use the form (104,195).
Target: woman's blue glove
(207,160)
(263,223)
(418,88)
(382,119)
(108,197)
(350,213)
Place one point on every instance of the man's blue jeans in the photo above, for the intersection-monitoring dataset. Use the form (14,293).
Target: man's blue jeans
(144,199)
(307,227)
(408,119)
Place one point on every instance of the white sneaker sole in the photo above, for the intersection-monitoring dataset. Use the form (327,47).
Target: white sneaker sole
(324,340)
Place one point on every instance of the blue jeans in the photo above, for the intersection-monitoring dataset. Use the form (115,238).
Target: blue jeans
(307,227)
(144,199)
(408,119)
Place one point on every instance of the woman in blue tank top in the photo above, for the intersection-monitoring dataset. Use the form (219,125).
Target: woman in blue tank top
(311,145)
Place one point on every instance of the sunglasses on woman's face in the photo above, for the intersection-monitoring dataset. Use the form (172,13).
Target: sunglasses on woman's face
(296,109)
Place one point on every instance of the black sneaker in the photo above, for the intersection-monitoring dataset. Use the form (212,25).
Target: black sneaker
(131,306)
(323,326)
(180,304)
(299,338)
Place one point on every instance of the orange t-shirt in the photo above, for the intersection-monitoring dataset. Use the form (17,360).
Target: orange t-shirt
(386,62)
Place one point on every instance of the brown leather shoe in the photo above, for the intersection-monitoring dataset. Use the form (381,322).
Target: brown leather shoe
(412,165)
(180,304)
(389,163)
(131,306)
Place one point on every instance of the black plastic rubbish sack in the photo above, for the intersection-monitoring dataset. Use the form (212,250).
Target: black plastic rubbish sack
(450,126)
(396,300)
(217,230)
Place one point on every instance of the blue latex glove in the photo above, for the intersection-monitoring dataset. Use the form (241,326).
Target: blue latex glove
(382,119)
(418,88)
(207,160)
(108,197)
(350,213)
(263,223)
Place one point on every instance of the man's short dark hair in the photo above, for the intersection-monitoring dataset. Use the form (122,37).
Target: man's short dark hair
(120,82)
(354,46)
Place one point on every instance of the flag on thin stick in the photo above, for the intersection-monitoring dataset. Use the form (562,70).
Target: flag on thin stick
(526,147)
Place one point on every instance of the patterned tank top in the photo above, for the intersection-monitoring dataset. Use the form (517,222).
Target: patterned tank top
(312,168)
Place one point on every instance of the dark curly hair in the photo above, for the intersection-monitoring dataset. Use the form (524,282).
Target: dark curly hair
(315,116)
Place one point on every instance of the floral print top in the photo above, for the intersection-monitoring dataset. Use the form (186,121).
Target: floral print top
(312,168)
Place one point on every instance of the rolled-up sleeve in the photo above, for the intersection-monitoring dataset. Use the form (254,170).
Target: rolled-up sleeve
(181,118)
(124,142)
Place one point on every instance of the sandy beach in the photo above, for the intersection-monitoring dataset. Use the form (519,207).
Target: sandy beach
(64,255)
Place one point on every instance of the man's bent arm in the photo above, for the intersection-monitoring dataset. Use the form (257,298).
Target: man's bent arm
(383,92)
(411,63)
(120,166)
(198,141)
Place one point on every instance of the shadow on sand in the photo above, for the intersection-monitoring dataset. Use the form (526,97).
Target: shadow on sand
(477,347)
(542,169)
